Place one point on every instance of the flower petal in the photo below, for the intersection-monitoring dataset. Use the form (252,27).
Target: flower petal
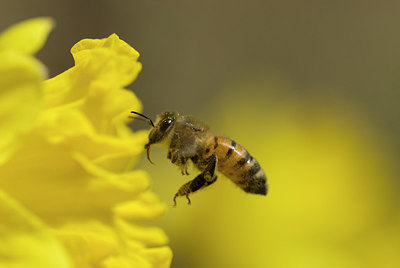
(74,168)
(83,49)
(20,98)
(25,240)
(146,206)
(109,110)
(88,242)
(147,258)
(148,236)
(114,245)
(100,65)
(65,183)
(26,37)
(73,129)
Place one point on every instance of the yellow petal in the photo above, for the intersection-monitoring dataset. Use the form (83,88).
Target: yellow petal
(148,236)
(75,164)
(109,110)
(82,50)
(100,66)
(25,240)
(146,206)
(132,183)
(71,127)
(91,243)
(159,257)
(126,159)
(88,242)
(26,37)
(55,182)
(20,98)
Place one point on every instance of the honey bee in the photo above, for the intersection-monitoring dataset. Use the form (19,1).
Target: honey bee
(188,138)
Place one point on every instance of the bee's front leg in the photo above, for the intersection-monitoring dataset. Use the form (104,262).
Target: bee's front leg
(179,160)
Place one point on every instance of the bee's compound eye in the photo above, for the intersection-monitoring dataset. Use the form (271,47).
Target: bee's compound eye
(165,124)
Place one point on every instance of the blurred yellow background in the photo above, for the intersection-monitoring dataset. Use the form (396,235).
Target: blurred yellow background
(310,88)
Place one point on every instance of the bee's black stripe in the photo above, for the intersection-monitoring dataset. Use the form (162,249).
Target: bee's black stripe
(230,150)
(215,142)
(243,161)
(252,170)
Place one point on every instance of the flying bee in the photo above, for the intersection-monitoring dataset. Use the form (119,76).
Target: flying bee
(188,138)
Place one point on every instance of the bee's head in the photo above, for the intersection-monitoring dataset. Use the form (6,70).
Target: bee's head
(162,127)
(160,130)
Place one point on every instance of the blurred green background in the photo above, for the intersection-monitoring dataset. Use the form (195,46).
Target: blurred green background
(310,88)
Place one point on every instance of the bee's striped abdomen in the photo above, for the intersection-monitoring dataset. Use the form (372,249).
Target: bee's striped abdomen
(235,162)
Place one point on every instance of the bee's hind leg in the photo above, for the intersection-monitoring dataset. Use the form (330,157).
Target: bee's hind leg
(204,179)
(185,190)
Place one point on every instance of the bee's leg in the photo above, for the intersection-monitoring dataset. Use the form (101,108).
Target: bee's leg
(206,178)
(184,190)
(183,164)
(209,170)
(192,186)
(179,160)
(173,149)
(176,156)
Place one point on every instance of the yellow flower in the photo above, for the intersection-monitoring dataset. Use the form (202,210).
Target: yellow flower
(70,158)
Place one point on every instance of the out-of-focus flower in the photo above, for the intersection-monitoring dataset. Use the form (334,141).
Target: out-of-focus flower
(21,78)
(67,161)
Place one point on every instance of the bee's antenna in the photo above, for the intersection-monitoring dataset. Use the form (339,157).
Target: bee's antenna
(147,119)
